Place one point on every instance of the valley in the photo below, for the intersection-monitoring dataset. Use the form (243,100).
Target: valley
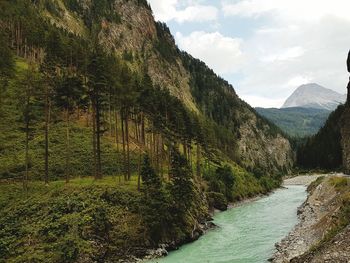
(120,143)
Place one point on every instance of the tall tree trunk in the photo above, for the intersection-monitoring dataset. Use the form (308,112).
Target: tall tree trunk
(184,149)
(137,137)
(67,147)
(127,143)
(139,169)
(156,144)
(47,110)
(198,163)
(143,138)
(94,139)
(161,155)
(110,114)
(98,139)
(123,140)
(169,161)
(26,175)
(116,130)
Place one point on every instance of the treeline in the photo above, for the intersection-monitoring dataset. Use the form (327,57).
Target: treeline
(323,150)
(218,101)
(76,79)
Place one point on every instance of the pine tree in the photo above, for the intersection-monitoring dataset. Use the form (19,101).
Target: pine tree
(6,66)
(98,82)
(69,95)
(182,186)
(154,207)
(29,85)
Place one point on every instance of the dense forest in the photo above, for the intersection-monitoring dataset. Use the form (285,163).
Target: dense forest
(297,122)
(99,162)
(323,150)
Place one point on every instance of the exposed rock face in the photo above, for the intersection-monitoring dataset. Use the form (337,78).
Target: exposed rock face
(254,146)
(316,216)
(152,48)
(345,128)
(314,96)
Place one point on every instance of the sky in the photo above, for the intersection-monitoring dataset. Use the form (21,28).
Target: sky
(264,48)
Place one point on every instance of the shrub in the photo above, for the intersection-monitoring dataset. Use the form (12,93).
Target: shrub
(217,200)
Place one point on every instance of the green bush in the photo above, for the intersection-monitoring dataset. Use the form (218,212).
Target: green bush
(217,200)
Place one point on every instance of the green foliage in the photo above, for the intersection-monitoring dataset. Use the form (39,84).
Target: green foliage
(99,220)
(323,150)
(60,223)
(182,187)
(217,200)
(128,56)
(315,183)
(223,182)
(224,111)
(296,122)
(339,182)
(154,208)
(165,44)
(6,59)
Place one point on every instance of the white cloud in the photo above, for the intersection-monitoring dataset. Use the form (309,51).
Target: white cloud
(304,10)
(287,54)
(223,54)
(296,42)
(198,13)
(298,81)
(263,102)
(183,11)
(283,43)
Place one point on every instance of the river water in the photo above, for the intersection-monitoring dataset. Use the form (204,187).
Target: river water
(247,233)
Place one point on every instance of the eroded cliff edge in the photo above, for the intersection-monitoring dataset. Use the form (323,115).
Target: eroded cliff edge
(322,235)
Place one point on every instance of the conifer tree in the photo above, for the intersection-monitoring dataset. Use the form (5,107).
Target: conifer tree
(182,186)
(29,85)
(154,205)
(6,65)
(98,81)
(68,95)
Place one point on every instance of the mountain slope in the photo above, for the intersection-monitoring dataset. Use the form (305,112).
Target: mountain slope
(105,92)
(200,88)
(314,96)
(151,47)
(296,121)
(323,150)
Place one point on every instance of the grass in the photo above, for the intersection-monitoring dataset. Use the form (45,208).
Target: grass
(58,222)
(342,218)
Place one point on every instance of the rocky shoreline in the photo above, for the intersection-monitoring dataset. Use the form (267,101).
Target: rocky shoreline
(316,217)
(165,248)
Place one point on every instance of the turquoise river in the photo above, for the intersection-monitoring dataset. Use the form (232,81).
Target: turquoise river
(246,233)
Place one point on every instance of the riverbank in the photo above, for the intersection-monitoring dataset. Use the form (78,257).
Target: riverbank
(246,233)
(322,232)
(302,179)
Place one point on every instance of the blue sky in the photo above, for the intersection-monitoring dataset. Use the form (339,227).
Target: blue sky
(264,48)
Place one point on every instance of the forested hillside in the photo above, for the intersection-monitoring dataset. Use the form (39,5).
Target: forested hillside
(295,121)
(112,140)
(323,150)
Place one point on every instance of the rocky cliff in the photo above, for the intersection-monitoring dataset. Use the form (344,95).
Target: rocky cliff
(127,28)
(345,128)
(322,234)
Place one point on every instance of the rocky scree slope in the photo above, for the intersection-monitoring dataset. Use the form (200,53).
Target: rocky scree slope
(149,45)
(321,235)
(315,96)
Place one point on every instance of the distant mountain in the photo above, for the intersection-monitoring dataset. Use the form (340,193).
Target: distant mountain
(314,96)
(296,121)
